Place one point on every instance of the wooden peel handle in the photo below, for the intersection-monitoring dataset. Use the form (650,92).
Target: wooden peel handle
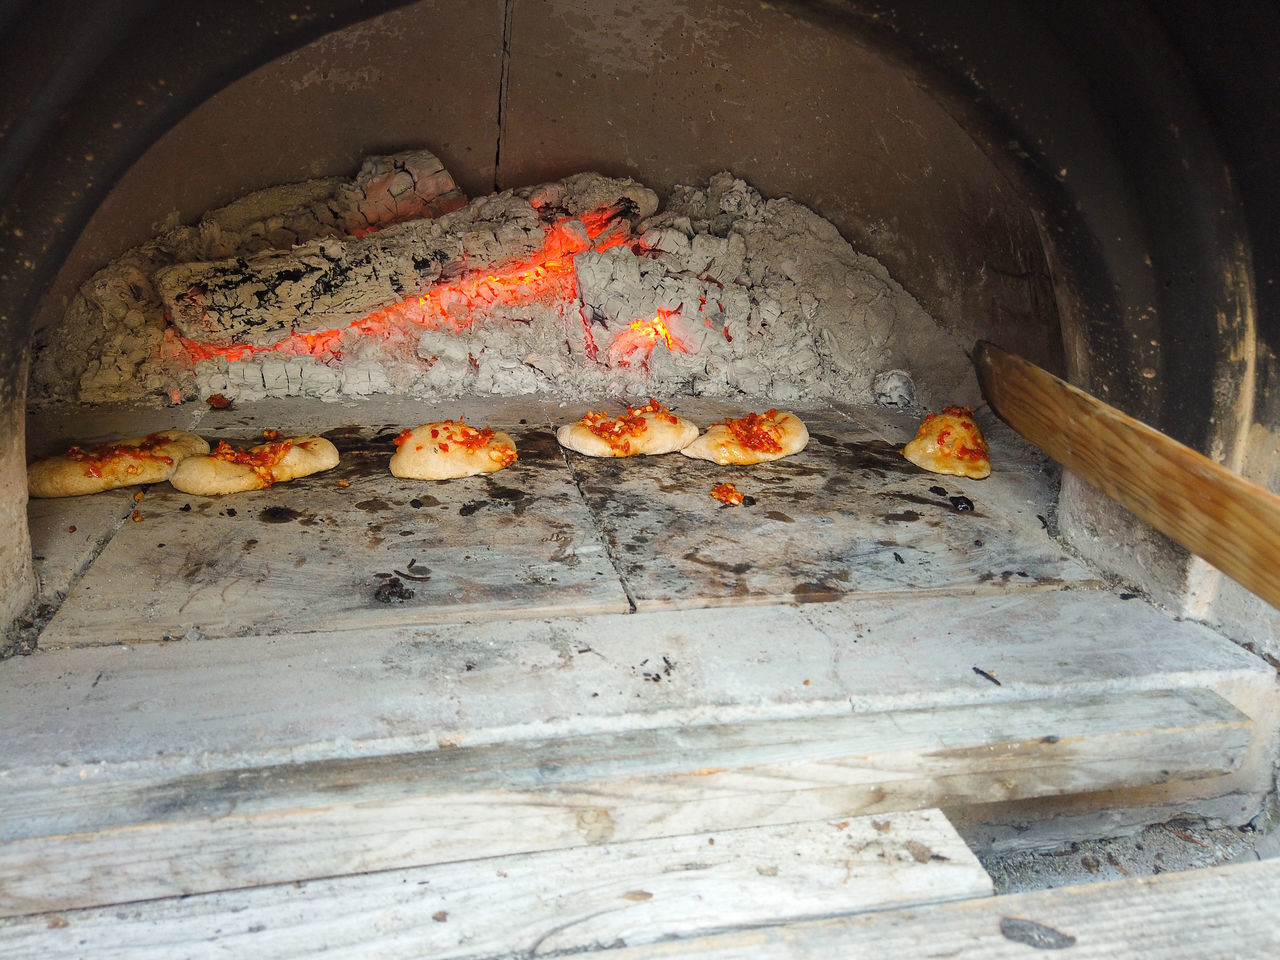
(1216,514)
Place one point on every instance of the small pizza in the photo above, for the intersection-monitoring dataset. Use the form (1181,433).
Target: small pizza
(450,449)
(227,469)
(649,430)
(124,463)
(755,438)
(950,442)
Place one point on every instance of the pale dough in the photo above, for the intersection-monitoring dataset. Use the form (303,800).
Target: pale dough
(450,449)
(951,443)
(755,438)
(228,470)
(124,463)
(651,429)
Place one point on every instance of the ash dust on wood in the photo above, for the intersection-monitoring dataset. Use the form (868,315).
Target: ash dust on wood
(1033,934)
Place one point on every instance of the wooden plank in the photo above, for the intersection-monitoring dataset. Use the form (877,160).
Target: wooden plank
(545,903)
(848,515)
(353,547)
(164,710)
(1229,521)
(132,839)
(1204,914)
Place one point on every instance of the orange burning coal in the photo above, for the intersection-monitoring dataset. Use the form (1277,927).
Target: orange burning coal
(639,339)
(548,277)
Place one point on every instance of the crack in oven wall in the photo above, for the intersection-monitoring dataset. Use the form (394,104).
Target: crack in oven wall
(816,105)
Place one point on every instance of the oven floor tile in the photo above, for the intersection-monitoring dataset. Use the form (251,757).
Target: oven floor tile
(351,547)
(846,516)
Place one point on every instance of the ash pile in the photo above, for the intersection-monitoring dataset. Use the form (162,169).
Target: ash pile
(394,282)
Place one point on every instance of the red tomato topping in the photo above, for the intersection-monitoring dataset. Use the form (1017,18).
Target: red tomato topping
(727,493)
(472,439)
(260,461)
(503,455)
(402,437)
(616,432)
(969,446)
(757,432)
(106,454)
(654,407)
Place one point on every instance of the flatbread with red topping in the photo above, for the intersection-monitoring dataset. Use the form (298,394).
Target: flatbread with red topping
(649,430)
(451,449)
(228,469)
(124,463)
(950,442)
(755,438)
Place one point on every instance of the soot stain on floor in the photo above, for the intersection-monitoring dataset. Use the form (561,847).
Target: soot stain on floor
(278,514)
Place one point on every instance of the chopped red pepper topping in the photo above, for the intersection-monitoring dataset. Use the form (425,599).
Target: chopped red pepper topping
(727,493)
(471,438)
(617,432)
(654,407)
(971,446)
(260,461)
(96,458)
(402,437)
(503,455)
(757,432)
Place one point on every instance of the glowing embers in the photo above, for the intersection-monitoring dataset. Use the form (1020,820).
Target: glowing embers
(505,288)
(635,344)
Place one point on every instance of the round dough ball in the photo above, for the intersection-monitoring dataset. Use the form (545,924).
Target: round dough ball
(123,463)
(450,449)
(755,438)
(950,443)
(228,470)
(650,430)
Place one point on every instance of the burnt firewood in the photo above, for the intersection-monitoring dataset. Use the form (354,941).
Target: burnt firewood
(330,283)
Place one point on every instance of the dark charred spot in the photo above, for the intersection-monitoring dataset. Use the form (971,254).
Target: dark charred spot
(278,514)
(393,591)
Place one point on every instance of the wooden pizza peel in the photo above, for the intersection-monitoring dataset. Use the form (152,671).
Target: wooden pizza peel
(1216,514)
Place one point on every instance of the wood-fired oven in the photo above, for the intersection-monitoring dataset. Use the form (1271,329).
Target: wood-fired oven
(813,205)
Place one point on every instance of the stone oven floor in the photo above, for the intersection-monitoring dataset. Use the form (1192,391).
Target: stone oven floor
(612,716)
(554,535)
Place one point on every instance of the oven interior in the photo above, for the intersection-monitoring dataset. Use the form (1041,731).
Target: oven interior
(346,674)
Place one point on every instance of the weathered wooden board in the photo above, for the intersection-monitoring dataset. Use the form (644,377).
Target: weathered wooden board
(1207,914)
(1214,512)
(545,903)
(139,839)
(166,710)
(352,547)
(848,515)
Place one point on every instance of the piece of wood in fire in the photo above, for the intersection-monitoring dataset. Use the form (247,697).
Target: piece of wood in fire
(330,283)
